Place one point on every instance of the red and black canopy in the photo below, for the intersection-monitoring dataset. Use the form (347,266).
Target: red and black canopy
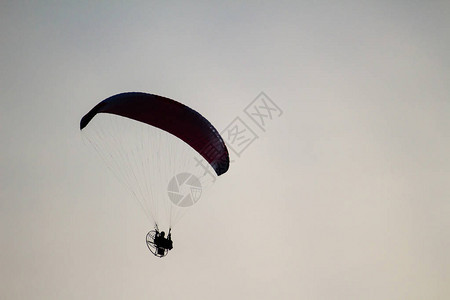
(171,116)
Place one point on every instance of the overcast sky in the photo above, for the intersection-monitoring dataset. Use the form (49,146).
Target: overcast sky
(345,195)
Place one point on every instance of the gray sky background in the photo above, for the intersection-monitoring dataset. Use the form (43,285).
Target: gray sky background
(345,196)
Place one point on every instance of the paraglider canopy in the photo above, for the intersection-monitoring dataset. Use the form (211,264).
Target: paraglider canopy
(171,116)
